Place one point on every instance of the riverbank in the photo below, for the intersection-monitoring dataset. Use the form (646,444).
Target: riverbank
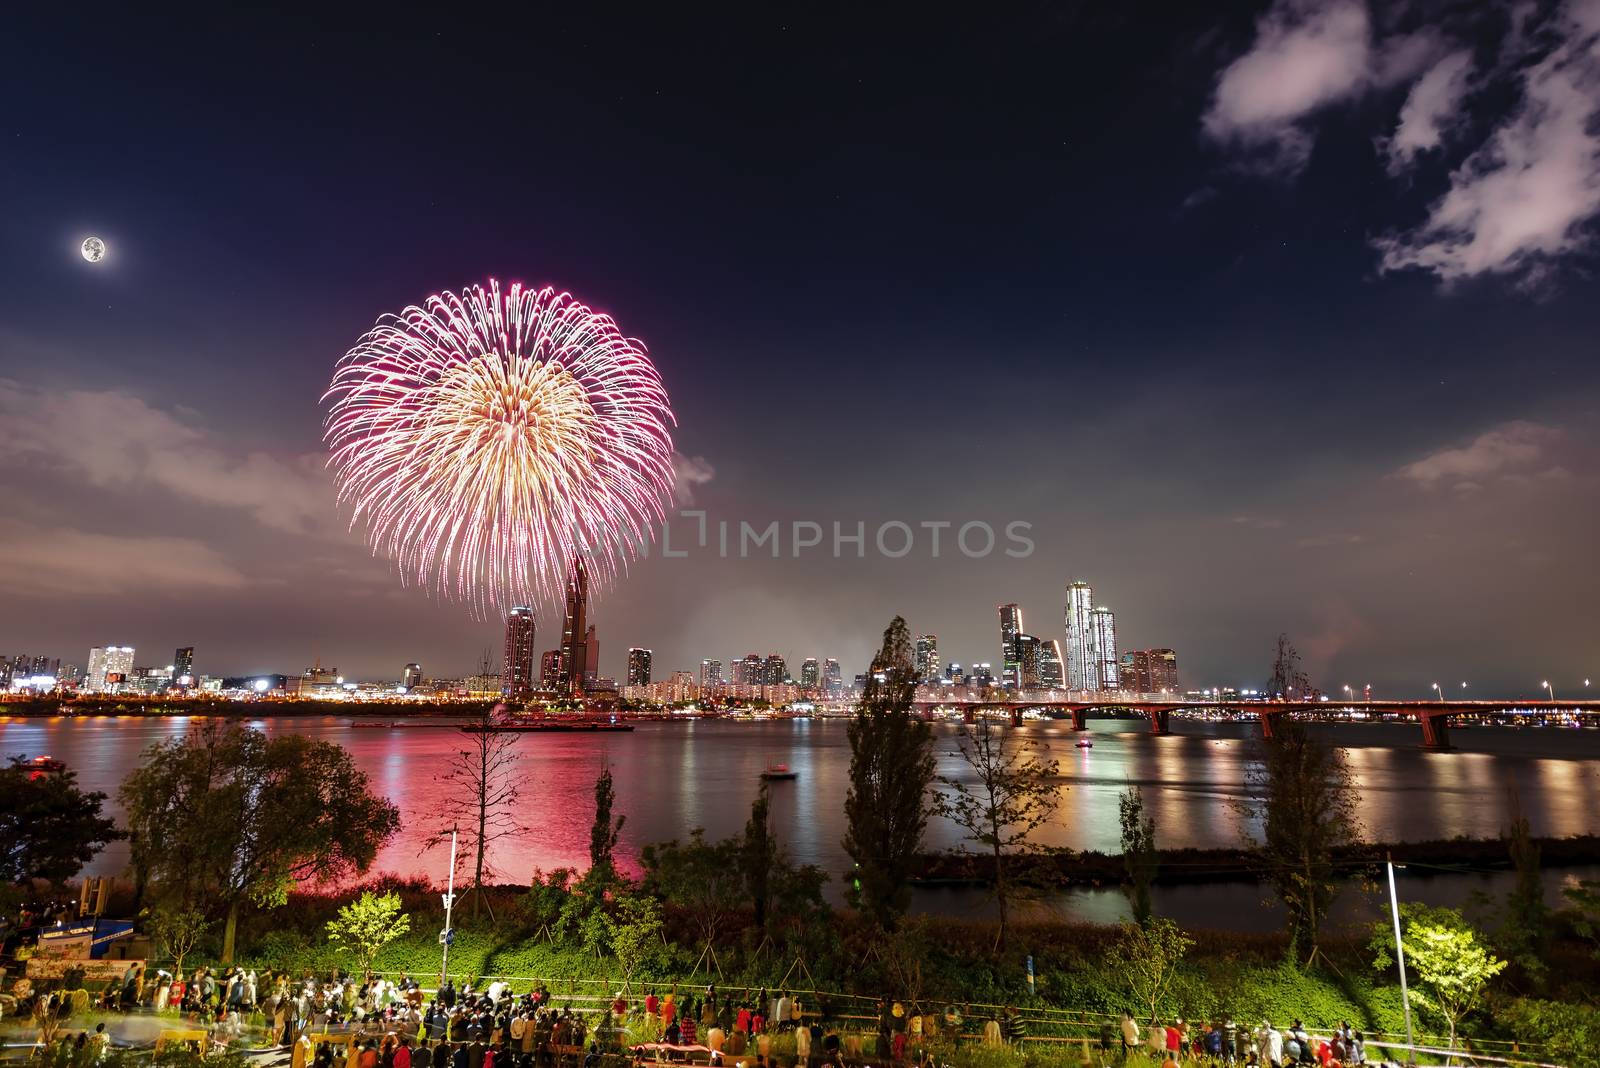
(1060,869)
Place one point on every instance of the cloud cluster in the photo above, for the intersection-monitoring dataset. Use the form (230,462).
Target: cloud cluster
(1518,450)
(1526,192)
(689,472)
(54,562)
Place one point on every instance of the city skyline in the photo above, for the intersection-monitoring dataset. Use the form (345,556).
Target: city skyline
(1265,382)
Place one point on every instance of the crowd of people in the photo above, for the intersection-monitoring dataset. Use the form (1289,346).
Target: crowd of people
(1225,1042)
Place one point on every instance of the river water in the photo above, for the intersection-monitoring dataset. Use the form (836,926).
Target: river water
(673,777)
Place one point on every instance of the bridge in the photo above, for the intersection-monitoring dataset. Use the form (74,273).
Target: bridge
(1434,716)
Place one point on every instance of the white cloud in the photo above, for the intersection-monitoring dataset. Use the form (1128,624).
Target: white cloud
(1306,56)
(1518,449)
(1528,195)
(50,562)
(689,472)
(116,441)
(1430,110)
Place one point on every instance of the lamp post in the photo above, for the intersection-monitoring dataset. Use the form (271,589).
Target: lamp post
(1549,690)
(448,935)
(1400,958)
(1439,691)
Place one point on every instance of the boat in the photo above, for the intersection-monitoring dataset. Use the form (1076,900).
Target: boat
(778,773)
(44,766)
(1084,743)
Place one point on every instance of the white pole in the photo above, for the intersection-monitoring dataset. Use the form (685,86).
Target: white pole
(449,901)
(1400,956)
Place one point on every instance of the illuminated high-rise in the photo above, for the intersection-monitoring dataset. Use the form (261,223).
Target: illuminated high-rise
(1103,648)
(775,671)
(575,632)
(1010,655)
(1148,671)
(412,675)
(109,666)
(832,677)
(710,674)
(810,673)
(1052,676)
(183,666)
(639,667)
(517,676)
(927,658)
(1082,673)
(1027,662)
(550,669)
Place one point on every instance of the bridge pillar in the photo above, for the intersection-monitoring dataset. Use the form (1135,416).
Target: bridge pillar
(1080,719)
(1435,733)
(1266,724)
(1158,721)
(1016,717)
(968,715)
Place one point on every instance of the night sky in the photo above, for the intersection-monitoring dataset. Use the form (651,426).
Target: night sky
(1264,318)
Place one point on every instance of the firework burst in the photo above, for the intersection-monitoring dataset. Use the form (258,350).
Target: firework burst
(486,438)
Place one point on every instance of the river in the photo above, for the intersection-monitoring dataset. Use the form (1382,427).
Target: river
(673,777)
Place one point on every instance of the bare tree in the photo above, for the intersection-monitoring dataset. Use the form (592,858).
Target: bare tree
(481,792)
(1288,680)
(1012,797)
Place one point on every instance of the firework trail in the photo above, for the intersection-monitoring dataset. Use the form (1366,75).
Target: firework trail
(486,438)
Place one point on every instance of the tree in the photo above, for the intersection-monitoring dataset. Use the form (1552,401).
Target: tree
(1305,796)
(1449,962)
(366,925)
(1146,956)
(1138,850)
(635,933)
(1585,901)
(701,878)
(49,829)
(604,833)
(480,802)
(758,854)
(177,930)
(1012,798)
(228,816)
(1288,681)
(1524,934)
(891,770)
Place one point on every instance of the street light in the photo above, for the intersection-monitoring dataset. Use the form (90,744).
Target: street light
(1438,691)
(1548,689)
(1400,956)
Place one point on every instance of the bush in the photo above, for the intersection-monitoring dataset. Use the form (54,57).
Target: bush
(1568,1033)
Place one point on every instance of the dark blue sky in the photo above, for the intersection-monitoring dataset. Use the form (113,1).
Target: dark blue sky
(1148,281)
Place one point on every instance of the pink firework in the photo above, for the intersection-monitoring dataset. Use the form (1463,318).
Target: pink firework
(487,438)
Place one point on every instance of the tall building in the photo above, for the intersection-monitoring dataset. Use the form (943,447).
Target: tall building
(810,673)
(1052,675)
(832,677)
(1148,671)
(183,666)
(550,669)
(927,658)
(412,675)
(575,632)
(517,676)
(1103,648)
(109,665)
(591,656)
(1081,670)
(710,674)
(1010,655)
(775,671)
(749,670)
(1027,662)
(639,667)
(981,676)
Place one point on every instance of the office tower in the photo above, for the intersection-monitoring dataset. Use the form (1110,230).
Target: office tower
(810,673)
(774,671)
(183,666)
(832,677)
(575,632)
(639,667)
(748,670)
(1103,647)
(517,678)
(1052,674)
(1081,669)
(1148,671)
(1163,671)
(550,669)
(412,675)
(927,661)
(109,665)
(1027,662)
(710,674)
(1010,658)
(954,674)
(981,675)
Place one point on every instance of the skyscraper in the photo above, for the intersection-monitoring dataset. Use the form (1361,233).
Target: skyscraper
(1148,671)
(1027,662)
(575,632)
(774,671)
(1052,676)
(1103,648)
(412,675)
(550,669)
(1081,670)
(591,656)
(183,666)
(517,677)
(810,673)
(1010,655)
(832,677)
(927,661)
(639,667)
(710,674)
(106,661)
(748,671)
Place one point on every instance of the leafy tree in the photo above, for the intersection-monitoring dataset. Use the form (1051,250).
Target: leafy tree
(177,930)
(228,816)
(635,933)
(1450,963)
(480,801)
(1585,911)
(701,878)
(891,770)
(1305,795)
(49,829)
(366,925)
(1012,798)
(604,833)
(758,855)
(1146,956)
(1138,850)
(1525,932)
(547,900)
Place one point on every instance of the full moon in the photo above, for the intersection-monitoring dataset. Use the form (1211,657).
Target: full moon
(94,249)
